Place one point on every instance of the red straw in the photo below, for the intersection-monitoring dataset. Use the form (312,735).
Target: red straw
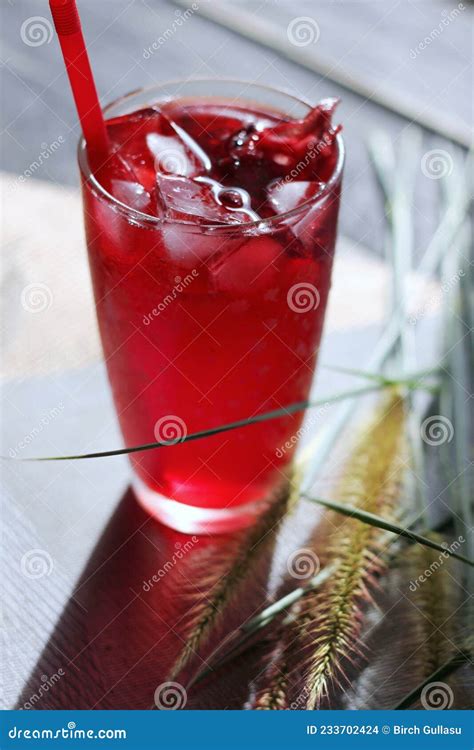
(68,27)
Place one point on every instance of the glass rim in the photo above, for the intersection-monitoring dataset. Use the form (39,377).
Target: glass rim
(156,221)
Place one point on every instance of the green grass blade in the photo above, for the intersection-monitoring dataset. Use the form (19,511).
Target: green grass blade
(284,411)
(258,622)
(386,379)
(381,523)
(464,656)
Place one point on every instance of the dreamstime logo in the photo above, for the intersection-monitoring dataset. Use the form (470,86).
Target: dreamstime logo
(448,16)
(437,164)
(301,699)
(436,299)
(170,696)
(46,684)
(71,731)
(36,298)
(437,696)
(45,420)
(47,150)
(181,283)
(36,31)
(303,563)
(303,297)
(437,430)
(180,18)
(302,31)
(309,422)
(170,430)
(171,161)
(312,153)
(36,563)
(181,550)
(436,564)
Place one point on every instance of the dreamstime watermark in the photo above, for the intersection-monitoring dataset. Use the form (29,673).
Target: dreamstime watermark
(36,563)
(309,422)
(36,297)
(303,563)
(300,700)
(437,696)
(303,297)
(437,430)
(181,18)
(45,420)
(179,286)
(436,564)
(181,550)
(170,430)
(36,30)
(47,150)
(46,684)
(170,696)
(71,732)
(436,299)
(436,164)
(302,31)
(314,151)
(448,16)
(172,161)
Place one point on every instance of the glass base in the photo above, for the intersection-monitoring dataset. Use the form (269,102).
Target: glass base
(190,519)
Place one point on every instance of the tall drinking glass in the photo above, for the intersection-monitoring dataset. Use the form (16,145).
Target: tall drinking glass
(204,324)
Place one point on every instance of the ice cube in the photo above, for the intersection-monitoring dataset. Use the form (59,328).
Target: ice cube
(203,200)
(199,202)
(149,142)
(132,194)
(251,267)
(119,179)
(189,246)
(177,153)
(285,195)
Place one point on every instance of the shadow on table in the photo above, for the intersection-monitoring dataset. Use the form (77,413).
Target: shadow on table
(126,620)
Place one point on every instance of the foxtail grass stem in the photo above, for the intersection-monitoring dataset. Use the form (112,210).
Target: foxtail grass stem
(441,242)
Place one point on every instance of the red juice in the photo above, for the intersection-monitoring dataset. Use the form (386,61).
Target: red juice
(211,233)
